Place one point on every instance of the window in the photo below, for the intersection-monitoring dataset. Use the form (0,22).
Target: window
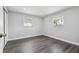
(27,21)
(58,20)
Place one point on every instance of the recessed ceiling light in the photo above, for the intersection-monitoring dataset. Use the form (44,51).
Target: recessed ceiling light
(24,8)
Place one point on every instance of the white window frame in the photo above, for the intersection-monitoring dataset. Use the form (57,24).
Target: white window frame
(27,21)
(57,20)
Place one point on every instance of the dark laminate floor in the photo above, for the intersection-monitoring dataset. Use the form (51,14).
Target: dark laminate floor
(40,44)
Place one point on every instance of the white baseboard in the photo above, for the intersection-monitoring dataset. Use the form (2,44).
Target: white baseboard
(23,37)
(63,40)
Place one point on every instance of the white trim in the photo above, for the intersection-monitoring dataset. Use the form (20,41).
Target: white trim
(63,40)
(22,37)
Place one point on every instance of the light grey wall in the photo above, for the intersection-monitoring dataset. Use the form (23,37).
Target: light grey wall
(17,29)
(69,31)
(1,29)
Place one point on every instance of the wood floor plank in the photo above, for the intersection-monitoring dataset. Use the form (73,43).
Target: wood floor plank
(40,44)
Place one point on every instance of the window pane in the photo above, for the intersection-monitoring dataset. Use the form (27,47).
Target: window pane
(27,24)
(28,21)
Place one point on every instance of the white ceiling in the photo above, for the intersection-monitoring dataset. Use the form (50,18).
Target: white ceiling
(36,10)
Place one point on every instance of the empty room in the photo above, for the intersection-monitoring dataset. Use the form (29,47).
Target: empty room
(39,29)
